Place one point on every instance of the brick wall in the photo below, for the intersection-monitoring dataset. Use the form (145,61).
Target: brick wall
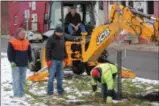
(4,18)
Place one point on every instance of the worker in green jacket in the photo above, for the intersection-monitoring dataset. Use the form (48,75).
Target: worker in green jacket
(104,73)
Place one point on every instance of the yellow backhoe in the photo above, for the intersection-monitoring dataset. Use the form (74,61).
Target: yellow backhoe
(87,51)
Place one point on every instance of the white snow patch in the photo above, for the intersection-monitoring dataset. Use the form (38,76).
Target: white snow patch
(39,104)
(3,54)
(79,94)
(74,101)
(71,97)
(70,82)
(138,80)
(149,88)
(119,101)
(38,92)
(5,71)
(69,89)
(85,93)
(84,73)
(155,104)
(143,80)
(137,85)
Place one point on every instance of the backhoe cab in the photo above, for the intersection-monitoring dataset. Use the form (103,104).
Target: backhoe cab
(59,10)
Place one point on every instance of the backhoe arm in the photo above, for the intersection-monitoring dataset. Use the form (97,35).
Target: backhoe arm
(122,18)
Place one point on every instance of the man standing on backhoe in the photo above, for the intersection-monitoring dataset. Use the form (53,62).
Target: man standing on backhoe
(105,74)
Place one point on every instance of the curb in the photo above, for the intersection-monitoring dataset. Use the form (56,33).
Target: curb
(146,48)
(5,36)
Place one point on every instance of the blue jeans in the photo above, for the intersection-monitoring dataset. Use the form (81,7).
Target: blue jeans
(56,68)
(70,28)
(19,76)
(104,92)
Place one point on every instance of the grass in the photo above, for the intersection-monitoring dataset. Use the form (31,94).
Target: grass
(78,92)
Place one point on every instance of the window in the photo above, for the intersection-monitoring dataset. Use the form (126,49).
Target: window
(150,7)
(139,6)
(123,3)
(79,10)
(130,4)
(15,20)
(101,5)
(55,15)
(90,19)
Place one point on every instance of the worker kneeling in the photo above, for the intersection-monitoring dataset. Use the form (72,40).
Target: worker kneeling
(105,74)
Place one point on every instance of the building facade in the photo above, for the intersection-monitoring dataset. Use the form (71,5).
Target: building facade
(101,13)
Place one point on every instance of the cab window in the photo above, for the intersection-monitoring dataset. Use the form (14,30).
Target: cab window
(55,14)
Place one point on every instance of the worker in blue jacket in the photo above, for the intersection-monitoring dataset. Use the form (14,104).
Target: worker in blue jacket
(19,55)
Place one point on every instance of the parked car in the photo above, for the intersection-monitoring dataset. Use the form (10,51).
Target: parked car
(34,36)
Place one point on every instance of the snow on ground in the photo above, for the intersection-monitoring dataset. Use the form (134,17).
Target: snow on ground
(6,85)
(77,89)
(7,92)
(154,104)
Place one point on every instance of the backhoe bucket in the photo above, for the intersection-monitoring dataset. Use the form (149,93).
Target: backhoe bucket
(127,74)
(40,76)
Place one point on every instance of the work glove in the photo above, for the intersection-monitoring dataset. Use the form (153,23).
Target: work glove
(13,64)
(65,61)
(109,99)
(48,63)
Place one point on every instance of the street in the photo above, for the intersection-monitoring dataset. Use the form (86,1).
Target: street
(144,64)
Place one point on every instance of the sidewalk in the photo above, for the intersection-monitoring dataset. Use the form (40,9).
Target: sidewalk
(136,47)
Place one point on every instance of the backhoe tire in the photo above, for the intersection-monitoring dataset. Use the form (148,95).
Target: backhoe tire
(78,67)
(88,68)
(36,60)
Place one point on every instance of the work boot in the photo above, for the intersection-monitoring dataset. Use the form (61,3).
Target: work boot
(61,94)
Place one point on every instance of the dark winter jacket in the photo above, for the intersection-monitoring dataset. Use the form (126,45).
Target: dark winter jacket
(55,47)
(19,52)
(73,19)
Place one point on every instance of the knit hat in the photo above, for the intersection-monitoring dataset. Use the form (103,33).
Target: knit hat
(95,73)
(59,29)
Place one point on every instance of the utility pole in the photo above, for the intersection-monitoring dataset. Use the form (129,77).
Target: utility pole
(119,55)
(27,15)
(119,67)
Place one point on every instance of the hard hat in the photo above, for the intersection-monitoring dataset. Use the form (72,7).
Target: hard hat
(95,73)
